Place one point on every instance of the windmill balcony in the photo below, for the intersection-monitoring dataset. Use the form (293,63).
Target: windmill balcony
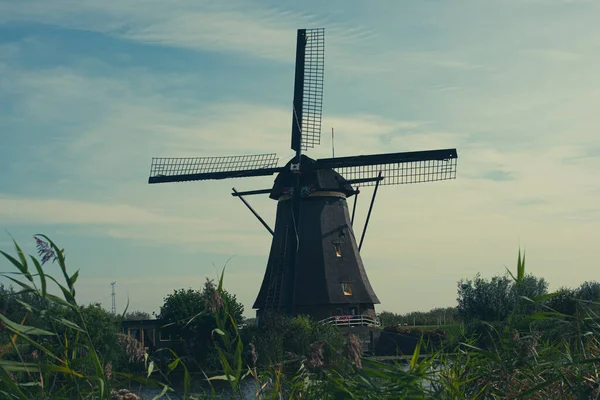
(352,320)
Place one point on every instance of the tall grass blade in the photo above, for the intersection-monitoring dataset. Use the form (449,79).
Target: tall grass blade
(26,287)
(162,393)
(41,274)
(24,329)
(15,391)
(68,295)
(21,267)
(415,357)
(521,267)
(18,366)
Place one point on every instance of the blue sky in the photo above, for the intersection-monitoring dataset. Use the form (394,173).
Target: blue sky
(90,91)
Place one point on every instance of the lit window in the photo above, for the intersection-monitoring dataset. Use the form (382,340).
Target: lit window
(347,289)
(338,250)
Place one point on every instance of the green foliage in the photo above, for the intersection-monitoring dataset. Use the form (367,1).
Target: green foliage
(44,363)
(484,300)
(12,307)
(570,302)
(55,348)
(280,338)
(588,291)
(495,299)
(190,315)
(403,340)
(136,315)
(435,316)
(565,301)
(102,327)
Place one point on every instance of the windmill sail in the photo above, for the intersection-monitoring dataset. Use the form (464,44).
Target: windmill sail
(205,168)
(308,89)
(397,168)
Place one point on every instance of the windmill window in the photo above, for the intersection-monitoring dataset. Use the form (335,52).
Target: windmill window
(338,249)
(347,289)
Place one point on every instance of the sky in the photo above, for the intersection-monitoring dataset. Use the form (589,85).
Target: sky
(90,91)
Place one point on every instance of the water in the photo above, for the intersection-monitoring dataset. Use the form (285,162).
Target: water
(248,389)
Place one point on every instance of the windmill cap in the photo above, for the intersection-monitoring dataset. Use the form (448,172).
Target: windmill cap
(310,179)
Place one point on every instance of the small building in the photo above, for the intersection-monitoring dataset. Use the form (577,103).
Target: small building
(151,333)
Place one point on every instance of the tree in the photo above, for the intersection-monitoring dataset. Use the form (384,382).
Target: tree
(435,316)
(190,315)
(495,299)
(137,315)
(589,291)
(102,326)
(11,306)
(389,318)
(565,302)
(531,287)
(280,338)
(568,300)
(215,300)
(484,300)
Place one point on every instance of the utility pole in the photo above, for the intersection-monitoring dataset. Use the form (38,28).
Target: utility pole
(114,303)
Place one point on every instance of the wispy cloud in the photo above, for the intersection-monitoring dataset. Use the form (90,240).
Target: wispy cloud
(497,175)
(519,103)
(184,229)
(440,59)
(105,146)
(110,117)
(55,211)
(246,28)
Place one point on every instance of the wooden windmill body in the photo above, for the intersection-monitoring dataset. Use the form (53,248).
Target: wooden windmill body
(314,266)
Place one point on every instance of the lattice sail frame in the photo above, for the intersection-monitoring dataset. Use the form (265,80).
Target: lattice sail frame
(402,172)
(312,101)
(200,165)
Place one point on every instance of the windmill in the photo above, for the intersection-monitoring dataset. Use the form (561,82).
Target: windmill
(314,264)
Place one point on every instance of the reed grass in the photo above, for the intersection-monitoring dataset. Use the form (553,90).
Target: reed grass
(542,355)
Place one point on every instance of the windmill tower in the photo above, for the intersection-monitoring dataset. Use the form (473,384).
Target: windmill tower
(314,264)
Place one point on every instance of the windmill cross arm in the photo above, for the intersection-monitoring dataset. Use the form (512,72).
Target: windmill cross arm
(387,158)
(364,180)
(205,168)
(213,175)
(251,192)
(397,168)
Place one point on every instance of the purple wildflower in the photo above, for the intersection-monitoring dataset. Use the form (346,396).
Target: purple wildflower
(214,302)
(108,370)
(316,356)
(253,354)
(134,349)
(354,350)
(45,250)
